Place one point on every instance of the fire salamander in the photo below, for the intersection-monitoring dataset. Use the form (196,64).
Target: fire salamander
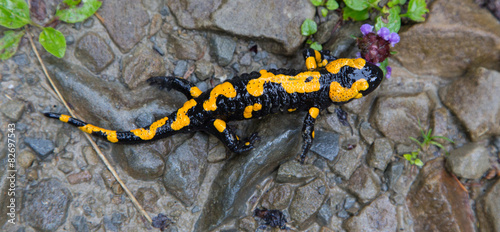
(327,80)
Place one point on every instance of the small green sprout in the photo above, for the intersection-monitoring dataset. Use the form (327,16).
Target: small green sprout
(429,139)
(413,158)
(15,14)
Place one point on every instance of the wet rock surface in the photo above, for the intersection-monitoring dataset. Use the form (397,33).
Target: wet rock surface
(438,202)
(475,99)
(46,204)
(445,75)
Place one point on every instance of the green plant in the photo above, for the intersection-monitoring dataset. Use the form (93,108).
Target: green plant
(388,16)
(15,14)
(428,139)
(413,158)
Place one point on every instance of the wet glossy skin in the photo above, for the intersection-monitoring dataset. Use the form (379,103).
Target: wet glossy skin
(327,81)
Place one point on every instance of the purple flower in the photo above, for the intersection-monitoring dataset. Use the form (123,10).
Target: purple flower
(389,72)
(384,33)
(366,28)
(394,38)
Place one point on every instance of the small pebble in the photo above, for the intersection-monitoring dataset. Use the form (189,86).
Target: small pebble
(80,177)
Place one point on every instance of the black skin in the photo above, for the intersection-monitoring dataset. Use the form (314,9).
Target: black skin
(274,99)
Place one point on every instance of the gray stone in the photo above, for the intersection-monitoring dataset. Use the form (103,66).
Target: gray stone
(25,158)
(45,205)
(295,172)
(246,59)
(380,154)
(42,147)
(222,47)
(88,23)
(180,68)
(470,155)
(147,197)
(349,202)
(367,132)
(80,224)
(393,172)
(379,215)
(475,100)
(70,39)
(278,197)
(21,59)
(282,19)
(65,166)
(450,30)
(438,202)
(240,175)
(142,65)
(347,162)
(125,29)
(488,209)
(326,144)
(204,69)
(325,213)
(364,184)
(144,119)
(141,162)
(13,110)
(185,169)
(185,47)
(307,201)
(397,117)
(94,52)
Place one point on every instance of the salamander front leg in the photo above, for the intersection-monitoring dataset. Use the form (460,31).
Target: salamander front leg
(181,85)
(317,59)
(219,128)
(308,132)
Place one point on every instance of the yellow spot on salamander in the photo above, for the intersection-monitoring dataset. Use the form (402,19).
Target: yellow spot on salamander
(341,94)
(317,56)
(247,113)
(291,84)
(291,110)
(314,112)
(247,143)
(64,118)
(336,65)
(147,134)
(312,134)
(110,134)
(226,89)
(182,118)
(220,125)
(195,92)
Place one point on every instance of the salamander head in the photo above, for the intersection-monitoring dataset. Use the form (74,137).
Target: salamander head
(356,78)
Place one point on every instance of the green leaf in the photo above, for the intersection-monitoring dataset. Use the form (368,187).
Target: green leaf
(14,13)
(357,5)
(437,144)
(332,5)
(72,2)
(355,15)
(316,46)
(442,137)
(415,140)
(416,10)
(419,162)
(9,43)
(324,12)
(407,157)
(308,27)
(392,21)
(75,14)
(317,2)
(53,41)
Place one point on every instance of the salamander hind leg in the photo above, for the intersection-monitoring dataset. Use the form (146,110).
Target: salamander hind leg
(219,129)
(181,85)
(317,59)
